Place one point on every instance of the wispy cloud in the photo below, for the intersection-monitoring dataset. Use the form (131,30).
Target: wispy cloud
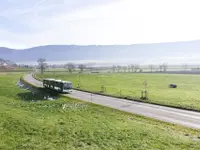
(30,23)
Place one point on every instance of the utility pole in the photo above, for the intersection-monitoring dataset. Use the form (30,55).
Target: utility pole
(78,81)
(144,93)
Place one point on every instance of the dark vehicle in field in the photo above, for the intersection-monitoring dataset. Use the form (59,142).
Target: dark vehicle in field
(172,86)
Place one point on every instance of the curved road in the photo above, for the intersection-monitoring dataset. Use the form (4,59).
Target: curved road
(176,116)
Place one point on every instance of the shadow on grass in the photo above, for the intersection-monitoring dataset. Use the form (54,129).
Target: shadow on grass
(36,94)
(29,96)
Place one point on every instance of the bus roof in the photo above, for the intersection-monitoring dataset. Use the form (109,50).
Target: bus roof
(61,81)
(49,79)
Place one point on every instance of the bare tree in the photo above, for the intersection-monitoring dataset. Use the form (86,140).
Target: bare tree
(129,68)
(124,68)
(114,68)
(81,67)
(119,68)
(160,67)
(165,67)
(157,69)
(151,67)
(132,68)
(41,64)
(70,67)
(2,63)
(136,67)
(185,66)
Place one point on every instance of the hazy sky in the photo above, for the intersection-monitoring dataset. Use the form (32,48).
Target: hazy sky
(27,23)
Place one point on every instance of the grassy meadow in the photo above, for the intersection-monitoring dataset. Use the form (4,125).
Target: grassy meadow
(187,95)
(72,124)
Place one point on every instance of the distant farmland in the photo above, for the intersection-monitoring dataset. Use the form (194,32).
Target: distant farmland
(187,95)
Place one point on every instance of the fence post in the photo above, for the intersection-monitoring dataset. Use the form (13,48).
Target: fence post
(142,94)
(91,98)
(120,92)
(146,95)
(102,88)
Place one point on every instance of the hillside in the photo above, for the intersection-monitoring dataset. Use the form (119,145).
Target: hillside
(71,124)
(178,51)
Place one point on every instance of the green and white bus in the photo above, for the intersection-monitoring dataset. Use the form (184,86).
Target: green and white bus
(58,85)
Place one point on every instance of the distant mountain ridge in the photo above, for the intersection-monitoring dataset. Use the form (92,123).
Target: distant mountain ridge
(139,52)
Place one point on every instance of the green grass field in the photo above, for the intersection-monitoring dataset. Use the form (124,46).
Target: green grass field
(187,95)
(47,125)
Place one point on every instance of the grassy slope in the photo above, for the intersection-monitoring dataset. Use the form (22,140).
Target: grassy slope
(187,95)
(45,125)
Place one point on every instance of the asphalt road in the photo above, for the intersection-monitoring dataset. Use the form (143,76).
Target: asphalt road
(176,116)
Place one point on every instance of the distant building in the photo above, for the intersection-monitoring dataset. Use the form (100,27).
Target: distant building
(7,65)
